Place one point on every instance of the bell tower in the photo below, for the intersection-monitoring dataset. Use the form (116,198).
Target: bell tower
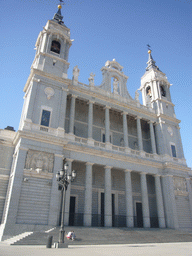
(47,85)
(155,89)
(52,47)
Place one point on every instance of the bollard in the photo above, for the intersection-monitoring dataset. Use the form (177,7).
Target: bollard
(49,241)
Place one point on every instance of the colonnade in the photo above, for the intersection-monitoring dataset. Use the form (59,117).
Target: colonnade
(128,198)
(107,125)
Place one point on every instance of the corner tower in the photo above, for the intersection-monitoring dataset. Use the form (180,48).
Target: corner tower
(52,47)
(155,89)
(47,85)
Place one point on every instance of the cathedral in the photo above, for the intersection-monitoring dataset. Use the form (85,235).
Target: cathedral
(128,157)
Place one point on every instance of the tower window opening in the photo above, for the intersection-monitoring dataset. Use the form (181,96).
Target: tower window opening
(148,91)
(55,46)
(163,93)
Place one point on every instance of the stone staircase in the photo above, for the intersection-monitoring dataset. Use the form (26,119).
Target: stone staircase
(98,236)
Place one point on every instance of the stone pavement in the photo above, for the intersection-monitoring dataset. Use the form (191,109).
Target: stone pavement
(153,249)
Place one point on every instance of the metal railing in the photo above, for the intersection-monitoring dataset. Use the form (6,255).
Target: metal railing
(98,220)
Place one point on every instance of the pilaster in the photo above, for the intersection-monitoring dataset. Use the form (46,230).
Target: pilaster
(61,126)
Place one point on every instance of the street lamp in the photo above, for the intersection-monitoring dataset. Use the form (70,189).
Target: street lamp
(63,178)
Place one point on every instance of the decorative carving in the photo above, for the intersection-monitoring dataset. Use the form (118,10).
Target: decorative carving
(91,79)
(170,130)
(180,185)
(49,92)
(75,75)
(39,161)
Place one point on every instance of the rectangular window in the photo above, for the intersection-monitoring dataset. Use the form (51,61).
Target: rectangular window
(45,118)
(173,150)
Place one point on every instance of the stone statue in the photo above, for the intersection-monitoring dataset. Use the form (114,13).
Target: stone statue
(137,96)
(115,86)
(91,79)
(75,75)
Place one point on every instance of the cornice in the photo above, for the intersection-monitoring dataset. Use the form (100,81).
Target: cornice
(113,156)
(173,166)
(166,101)
(40,137)
(46,75)
(169,118)
(53,57)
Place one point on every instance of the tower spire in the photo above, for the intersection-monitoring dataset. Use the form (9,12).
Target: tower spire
(151,62)
(58,16)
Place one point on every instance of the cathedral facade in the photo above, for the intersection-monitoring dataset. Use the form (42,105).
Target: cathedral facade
(128,156)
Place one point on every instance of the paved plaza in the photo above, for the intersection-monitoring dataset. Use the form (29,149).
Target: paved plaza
(176,249)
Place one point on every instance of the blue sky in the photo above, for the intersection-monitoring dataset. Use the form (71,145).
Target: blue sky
(102,30)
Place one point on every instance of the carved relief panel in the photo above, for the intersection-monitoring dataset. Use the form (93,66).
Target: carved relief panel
(39,161)
(180,186)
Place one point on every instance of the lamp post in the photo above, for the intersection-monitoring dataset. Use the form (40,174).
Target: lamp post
(64,178)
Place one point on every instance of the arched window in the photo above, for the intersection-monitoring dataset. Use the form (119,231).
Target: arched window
(55,46)
(148,91)
(163,93)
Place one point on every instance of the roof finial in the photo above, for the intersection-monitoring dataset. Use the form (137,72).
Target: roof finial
(149,48)
(151,62)
(58,17)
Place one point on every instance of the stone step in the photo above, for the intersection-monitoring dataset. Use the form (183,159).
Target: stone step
(94,236)
(15,239)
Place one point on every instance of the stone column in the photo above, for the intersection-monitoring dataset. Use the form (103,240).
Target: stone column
(159,200)
(72,115)
(139,133)
(55,200)
(88,195)
(128,199)
(63,105)
(153,145)
(125,130)
(90,122)
(68,194)
(107,200)
(107,125)
(145,201)
(190,192)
